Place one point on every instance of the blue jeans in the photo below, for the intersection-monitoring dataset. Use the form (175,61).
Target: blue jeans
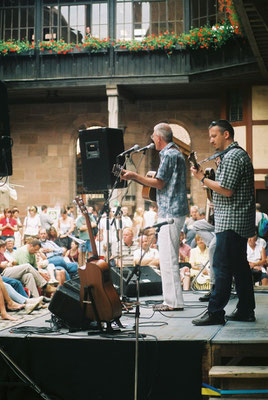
(70,267)
(230,260)
(16,284)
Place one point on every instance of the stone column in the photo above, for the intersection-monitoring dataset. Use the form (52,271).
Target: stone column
(113,105)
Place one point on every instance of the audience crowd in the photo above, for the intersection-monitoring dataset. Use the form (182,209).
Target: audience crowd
(39,253)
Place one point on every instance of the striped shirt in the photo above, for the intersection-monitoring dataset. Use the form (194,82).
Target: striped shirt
(237,213)
(172,199)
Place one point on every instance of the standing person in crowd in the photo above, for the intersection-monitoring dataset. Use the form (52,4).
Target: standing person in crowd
(84,235)
(126,220)
(31,224)
(46,220)
(8,225)
(150,216)
(66,227)
(170,184)
(18,233)
(138,222)
(234,215)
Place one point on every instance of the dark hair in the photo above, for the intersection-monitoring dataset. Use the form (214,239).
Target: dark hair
(223,125)
(35,242)
(44,208)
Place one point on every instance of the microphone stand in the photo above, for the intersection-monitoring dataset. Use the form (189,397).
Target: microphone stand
(137,272)
(118,212)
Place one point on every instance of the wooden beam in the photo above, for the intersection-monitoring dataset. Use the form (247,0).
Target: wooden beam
(250,35)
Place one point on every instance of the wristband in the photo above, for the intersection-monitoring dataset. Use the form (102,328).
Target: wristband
(202,180)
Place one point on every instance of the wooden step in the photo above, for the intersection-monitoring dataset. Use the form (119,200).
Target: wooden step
(233,371)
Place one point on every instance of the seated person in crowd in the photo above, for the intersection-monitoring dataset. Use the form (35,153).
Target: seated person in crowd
(257,258)
(199,256)
(188,225)
(149,255)
(54,254)
(184,249)
(6,300)
(46,269)
(8,225)
(30,304)
(129,246)
(24,268)
(73,253)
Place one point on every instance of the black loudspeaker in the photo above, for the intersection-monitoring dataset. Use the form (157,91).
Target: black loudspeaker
(65,304)
(150,281)
(99,150)
(5,139)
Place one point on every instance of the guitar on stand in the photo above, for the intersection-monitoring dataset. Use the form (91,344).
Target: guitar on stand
(210,174)
(99,299)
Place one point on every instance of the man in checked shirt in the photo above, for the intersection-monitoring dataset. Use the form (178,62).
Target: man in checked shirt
(234,213)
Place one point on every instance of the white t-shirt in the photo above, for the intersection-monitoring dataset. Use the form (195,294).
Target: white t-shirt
(147,257)
(254,255)
(32,225)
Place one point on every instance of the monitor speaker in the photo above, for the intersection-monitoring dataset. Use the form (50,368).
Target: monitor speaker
(150,281)
(99,150)
(65,304)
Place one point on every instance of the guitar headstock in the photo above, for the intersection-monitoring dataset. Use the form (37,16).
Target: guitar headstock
(193,159)
(117,169)
(79,201)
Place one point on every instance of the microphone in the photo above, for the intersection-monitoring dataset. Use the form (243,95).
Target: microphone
(145,148)
(168,221)
(134,148)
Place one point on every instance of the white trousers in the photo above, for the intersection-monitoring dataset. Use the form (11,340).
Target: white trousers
(168,242)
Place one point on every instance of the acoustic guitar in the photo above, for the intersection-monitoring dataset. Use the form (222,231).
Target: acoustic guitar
(98,296)
(148,193)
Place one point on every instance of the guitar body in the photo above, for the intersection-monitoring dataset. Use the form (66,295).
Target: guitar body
(96,276)
(210,174)
(149,193)
(99,299)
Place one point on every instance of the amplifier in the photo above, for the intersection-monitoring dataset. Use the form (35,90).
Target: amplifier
(150,281)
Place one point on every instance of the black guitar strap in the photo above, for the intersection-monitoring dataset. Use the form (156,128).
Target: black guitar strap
(220,153)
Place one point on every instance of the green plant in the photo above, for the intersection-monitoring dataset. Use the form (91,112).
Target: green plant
(15,46)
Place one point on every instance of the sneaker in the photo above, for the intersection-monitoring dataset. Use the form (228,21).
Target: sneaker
(209,319)
(53,282)
(34,300)
(30,307)
(236,316)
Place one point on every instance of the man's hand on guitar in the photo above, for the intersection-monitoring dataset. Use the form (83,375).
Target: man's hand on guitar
(199,174)
(127,175)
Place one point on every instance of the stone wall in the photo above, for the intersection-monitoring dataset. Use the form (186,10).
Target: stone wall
(45,136)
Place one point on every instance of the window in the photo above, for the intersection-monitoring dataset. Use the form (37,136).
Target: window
(137,19)
(205,12)
(17,20)
(235,107)
(71,21)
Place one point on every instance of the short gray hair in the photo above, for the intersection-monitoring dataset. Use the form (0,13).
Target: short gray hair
(164,131)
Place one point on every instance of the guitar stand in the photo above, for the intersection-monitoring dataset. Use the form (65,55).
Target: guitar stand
(89,299)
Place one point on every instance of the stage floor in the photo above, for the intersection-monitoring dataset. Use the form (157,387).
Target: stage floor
(175,325)
(174,356)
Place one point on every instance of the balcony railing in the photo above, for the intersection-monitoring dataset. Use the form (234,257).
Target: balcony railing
(120,65)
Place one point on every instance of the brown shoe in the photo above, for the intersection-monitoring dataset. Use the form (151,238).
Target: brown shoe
(49,289)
